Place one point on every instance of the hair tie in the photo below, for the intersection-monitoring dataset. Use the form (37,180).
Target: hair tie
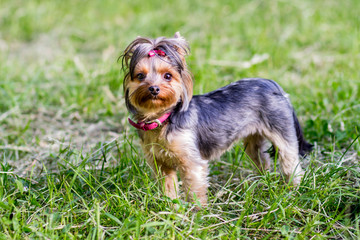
(156,52)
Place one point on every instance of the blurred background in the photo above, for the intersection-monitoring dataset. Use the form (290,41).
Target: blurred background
(61,82)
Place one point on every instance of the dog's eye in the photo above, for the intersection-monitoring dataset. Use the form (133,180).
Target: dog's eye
(167,76)
(140,76)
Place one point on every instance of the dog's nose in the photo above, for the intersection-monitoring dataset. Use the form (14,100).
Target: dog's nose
(154,90)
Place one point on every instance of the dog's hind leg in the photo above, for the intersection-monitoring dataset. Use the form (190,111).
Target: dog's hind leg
(288,153)
(255,148)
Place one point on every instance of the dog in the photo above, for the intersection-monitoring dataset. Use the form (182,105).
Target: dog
(181,132)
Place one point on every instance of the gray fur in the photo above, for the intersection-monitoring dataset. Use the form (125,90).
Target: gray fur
(233,112)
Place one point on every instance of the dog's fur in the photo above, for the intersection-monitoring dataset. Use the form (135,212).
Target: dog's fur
(202,127)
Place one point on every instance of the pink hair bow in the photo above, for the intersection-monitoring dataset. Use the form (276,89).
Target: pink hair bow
(156,52)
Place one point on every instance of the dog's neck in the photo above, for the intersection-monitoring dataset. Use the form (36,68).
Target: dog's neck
(150,123)
(141,117)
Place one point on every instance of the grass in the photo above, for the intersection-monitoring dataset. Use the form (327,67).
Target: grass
(71,167)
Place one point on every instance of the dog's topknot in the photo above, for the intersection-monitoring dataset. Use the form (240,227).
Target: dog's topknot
(175,48)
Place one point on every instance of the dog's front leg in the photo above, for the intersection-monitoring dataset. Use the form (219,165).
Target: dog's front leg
(195,180)
(170,182)
(167,178)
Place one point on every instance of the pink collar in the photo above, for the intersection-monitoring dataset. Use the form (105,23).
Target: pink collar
(150,125)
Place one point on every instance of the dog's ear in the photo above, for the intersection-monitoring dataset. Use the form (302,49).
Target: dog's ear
(187,93)
(181,46)
(126,82)
(177,35)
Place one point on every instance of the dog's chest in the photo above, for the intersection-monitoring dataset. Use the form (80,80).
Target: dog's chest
(154,144)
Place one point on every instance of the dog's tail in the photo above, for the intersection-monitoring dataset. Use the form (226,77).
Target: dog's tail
(304,146)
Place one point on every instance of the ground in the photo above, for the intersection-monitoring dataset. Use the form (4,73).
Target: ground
(71,166)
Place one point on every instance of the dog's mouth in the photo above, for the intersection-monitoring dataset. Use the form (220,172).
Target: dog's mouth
(154,97)
(152,102)
(151,97)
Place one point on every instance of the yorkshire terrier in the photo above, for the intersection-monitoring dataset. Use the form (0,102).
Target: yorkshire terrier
(182,132)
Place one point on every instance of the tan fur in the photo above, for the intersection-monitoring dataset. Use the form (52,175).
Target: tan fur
(139,95)
(255,148)
(166,157)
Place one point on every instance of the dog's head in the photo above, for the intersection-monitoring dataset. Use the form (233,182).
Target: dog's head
(156,75)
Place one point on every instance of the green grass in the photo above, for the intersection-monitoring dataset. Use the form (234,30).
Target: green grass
(71,167)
